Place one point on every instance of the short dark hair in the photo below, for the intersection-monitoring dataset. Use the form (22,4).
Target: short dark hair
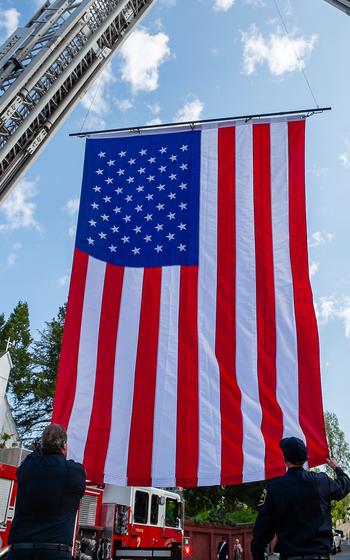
(53,439)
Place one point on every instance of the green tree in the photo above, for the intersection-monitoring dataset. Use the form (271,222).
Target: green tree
(17,329)
(35,407)
(340,450)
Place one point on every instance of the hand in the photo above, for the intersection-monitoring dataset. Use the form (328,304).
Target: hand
(332,463)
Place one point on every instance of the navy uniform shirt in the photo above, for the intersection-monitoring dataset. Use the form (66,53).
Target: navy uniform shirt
(296,508)
(49,491)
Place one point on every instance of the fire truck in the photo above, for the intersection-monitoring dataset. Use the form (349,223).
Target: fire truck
(112,522)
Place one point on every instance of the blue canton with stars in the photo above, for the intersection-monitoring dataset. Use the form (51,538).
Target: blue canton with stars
(140,200)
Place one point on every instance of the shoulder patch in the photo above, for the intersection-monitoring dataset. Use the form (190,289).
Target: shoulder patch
(262,498)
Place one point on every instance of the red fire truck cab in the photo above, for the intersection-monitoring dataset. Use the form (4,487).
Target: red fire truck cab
(112,522)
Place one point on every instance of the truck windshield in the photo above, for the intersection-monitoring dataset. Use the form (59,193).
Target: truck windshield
(141,507)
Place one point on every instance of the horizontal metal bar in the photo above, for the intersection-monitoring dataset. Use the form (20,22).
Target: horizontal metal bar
(247,118)
(143,553)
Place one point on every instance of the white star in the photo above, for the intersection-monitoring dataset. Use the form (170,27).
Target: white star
(107,198)
(148,217)
(152,160)
(159,227)
(109,181)
(128,198)
(173,158)
(119,190)
(159,248)
(183,205)
(103,235)
(183,186)
(171,236)
(105,218)
(181,247)
(130,180)
(160,206)
(125,239)
(149,196)
(136,251)
(112,248)
(122,153)
(138,208)
(137,229)
(92,223)
(150,178)
(97,189)
(115,229)
(131,161)
(162,168)
(142,170)
(172,195)
(94,205)
(183,166)
(148,238)
(111,162)
(120,172)
(142,152)
(172,177)
(117,209)
(90,241)
(181,226)
(102,154)
(171,215)
(127,218)
(163,150)
(140,188)
(161,187)
(99,171)
(184,148)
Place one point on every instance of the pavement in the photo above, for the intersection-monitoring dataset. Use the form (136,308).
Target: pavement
(344,554)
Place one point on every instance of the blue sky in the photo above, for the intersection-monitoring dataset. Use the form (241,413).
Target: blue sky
(194,59)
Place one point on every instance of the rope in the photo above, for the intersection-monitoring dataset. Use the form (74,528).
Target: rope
(302,70)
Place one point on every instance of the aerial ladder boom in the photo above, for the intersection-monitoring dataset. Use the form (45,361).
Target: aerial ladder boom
(343,5)
(48,65)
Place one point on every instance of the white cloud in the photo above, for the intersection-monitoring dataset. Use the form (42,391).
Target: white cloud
(330,308)
(280,53)
(223,5)
(318,238)
(9,21)
(255,3)
(13,255)
(62,280)
(142,55)
(96,99)
(72,207)
(317,170)
(191,111)
(345,159)
(313,268)
(18,209)
(154,122)
(124,104)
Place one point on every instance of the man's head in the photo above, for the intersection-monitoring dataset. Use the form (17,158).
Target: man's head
(237,541)
(54,440)
(294,451)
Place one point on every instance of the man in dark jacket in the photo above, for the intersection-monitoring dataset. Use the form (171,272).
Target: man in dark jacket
(49,491)
(296,508)
(222,550)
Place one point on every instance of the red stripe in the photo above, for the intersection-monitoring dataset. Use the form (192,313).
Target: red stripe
(310,395)
(67,369)
(225,347)
(187,391)
(101,415)
(272,418)
(141,430)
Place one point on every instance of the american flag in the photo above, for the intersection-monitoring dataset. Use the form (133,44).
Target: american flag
(190,346)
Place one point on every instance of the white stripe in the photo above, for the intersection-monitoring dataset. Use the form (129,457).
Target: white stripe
(124,374)
(165,412)
(209,468)
(246,322)
(87,358)
(286,342)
